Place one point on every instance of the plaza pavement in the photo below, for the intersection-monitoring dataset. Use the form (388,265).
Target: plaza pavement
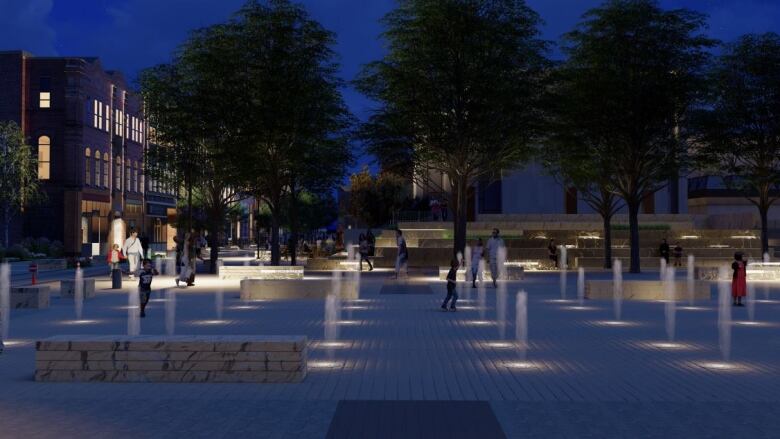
(582,378)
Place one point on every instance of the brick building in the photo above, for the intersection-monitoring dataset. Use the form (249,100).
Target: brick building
(88,131)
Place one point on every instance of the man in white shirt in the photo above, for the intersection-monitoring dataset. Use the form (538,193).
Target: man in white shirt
(493,244)
(133,251)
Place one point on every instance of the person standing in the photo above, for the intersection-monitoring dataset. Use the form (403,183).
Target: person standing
(184,261)
(403,253)
(364,250)
(444,211)
(114,257)
(739,279)
(145,284)
(552,252)
(476,255)
(663,250)
(452,279)
(678,252)
(133,251)
(493,245)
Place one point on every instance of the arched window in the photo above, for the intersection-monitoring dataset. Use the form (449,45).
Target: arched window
(118,174)
(97,168)
(88,166)
(106,170)
(44,158)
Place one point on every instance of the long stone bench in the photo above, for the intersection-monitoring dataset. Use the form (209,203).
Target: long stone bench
(514,272)
(308,288)
(30,296)
(645,290)
(68,288)
(758,271)
(260,272)
(185,359)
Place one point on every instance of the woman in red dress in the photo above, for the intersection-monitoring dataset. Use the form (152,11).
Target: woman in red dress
(739,280)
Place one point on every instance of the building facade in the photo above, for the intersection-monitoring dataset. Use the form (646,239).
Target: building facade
(89,134)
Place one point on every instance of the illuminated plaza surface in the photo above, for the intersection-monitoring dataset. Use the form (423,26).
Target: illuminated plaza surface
(585,375)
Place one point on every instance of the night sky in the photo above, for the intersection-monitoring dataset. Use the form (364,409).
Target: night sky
(129,35)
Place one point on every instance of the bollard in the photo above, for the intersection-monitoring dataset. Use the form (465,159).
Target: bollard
(33,268)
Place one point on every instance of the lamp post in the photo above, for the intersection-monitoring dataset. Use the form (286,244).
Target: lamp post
(97,213)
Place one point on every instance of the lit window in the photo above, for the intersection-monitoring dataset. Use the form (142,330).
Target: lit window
(45,99)
(44,158)
(106,170)
(118,174)
(108,119)
(95,105)
(97,168)
(100,116)
(88,167)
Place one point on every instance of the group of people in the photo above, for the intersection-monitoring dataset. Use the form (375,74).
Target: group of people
(664,251)
(439,210)
(478,252)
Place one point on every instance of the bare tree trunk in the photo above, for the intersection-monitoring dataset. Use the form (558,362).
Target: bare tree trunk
(633,226)
(275,255)
(460,217)
(292,246)
(607,240)
(764,212)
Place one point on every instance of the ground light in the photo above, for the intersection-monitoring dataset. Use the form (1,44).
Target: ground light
(317,364)
(521,365)
(615,323)
(79,322)
(211,322)
(331,345)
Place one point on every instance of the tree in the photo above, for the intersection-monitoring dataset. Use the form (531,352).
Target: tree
(457,90)
(280,101)
(737,135)
(19,176)
(636,71)
(376,200)
(570,157)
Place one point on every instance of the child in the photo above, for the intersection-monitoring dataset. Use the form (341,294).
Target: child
(739,279)
(451,284)
(145,284)
(114,257)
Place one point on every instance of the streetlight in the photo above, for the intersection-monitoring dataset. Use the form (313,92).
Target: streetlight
(97,213)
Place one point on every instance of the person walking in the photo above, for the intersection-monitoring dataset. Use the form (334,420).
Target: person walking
(133,250)
(739,279)
(493,245)
(145,284)
(403,254)
(364,250)
(663,250)
(476,255)
(371,242)
(184,261)
(452,279)
(552,252)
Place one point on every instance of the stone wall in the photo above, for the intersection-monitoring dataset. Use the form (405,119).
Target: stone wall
(31,296)
(237,358)
(259,272)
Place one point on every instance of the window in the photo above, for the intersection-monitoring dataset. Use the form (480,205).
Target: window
(118,122)
(128,172)
(118,174)
(135,177)
(127,126)
(95,106)
(106,170)
(108,119)
(87,166)
(97,168)
(100,116)
(44,100)
(44,158)
(141,132)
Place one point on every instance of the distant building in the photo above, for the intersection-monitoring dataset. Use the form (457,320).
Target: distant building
(88,131)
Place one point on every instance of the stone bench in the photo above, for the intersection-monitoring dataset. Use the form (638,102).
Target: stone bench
(645,290)
(513,272)
(180,359)
(68,288)
(308,288)
(30,296)
(259,272)
(759,271)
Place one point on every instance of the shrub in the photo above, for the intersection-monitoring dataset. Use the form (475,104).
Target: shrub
(56,249)
(18,251)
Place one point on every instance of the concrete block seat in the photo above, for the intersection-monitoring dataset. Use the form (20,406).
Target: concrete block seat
(310,287)
(68,288)
(30,296)
(644,290)
(179,359)
(260,272)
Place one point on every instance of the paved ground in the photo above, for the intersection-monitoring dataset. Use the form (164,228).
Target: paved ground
(582,376)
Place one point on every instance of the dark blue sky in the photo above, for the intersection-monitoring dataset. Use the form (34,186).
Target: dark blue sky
(129,35)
